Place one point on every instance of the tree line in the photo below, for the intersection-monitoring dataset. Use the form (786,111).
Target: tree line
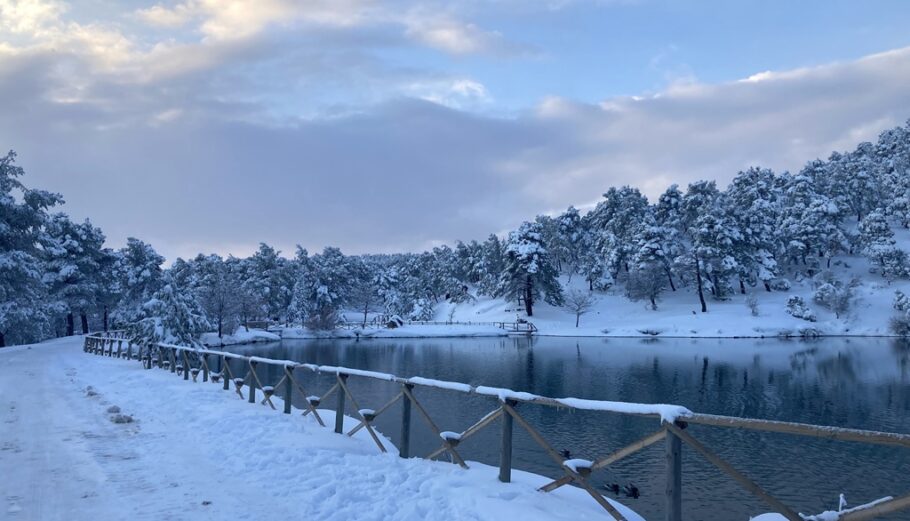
(57,277)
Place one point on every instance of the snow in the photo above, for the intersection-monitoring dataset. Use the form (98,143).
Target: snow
(577,464)
(450,436)
(667,413)
(441,384)
(504,394)
(406,331)
(679,315)
(241,336)
(196,452)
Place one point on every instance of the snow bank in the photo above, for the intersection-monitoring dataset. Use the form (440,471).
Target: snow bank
(196,452)
(241,336)
(679,313)
(406,331)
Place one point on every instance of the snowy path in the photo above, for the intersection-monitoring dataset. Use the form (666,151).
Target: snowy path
(196,452)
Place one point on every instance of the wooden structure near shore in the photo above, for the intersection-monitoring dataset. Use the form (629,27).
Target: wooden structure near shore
(672,430)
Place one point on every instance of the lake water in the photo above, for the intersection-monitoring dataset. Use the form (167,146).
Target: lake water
(860,383)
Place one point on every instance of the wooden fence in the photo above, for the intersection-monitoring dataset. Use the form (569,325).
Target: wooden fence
(512,327)
(672,429)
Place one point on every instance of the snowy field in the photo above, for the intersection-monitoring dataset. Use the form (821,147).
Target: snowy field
(194,451)
(678,313)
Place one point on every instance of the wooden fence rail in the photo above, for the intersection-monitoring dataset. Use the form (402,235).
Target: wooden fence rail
(189,362)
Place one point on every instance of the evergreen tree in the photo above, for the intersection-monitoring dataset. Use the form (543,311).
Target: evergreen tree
(139,277)
(74,257)
(528,271)
(171,316)
(24,311)
(879,245)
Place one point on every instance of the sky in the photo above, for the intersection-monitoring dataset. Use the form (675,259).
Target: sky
(213,125)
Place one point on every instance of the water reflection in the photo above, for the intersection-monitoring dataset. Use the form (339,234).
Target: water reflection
(862,383)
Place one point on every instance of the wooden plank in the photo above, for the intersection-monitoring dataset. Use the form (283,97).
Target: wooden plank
(381,410)
(505,449)
(624,452)
(737,476)
(576,477)
(673,488)
(309,406)
(426,416)
(339,407)
(288,389)
(404,450)
(363,419)
(472,430)
(803,429)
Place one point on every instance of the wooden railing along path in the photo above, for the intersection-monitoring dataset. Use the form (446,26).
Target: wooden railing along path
(673,420)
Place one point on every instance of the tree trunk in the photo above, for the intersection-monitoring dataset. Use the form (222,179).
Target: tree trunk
(2,340)
(220,325)
(84,323)
(529,296)
(742,287)
(767,287)
(670,278)
(653,303)
(105,317)
(366,309)
(69,324)
(701,295)
(577,317)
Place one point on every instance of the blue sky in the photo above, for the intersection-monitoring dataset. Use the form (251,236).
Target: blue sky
(376,126)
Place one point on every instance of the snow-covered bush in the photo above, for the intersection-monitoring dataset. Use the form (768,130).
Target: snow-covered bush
(833,294)
(752,304)
(900,323)
(646,284)
(780,285)
(797,307)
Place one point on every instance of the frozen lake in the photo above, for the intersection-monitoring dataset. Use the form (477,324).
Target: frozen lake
(860,383)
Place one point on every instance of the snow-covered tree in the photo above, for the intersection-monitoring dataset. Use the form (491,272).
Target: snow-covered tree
(878,244)
(139,276)
(24,311)
(528,272)
(171,316)
(579,303)
(74,257)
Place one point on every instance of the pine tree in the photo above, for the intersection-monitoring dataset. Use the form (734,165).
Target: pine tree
(24,311)
(878,244)
(139,277)
(171,316)
(528,270)
(74,257)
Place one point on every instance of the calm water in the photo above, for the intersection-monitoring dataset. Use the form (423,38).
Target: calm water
(862,383)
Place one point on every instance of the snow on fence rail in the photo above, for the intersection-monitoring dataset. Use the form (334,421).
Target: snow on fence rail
(190,362)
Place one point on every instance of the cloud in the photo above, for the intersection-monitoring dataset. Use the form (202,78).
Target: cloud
(219,139)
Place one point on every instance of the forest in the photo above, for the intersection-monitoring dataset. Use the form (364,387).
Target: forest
(58,278)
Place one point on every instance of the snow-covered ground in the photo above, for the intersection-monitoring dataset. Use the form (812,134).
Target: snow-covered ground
(241,336)
(678,313)
(406,331)
(194,451)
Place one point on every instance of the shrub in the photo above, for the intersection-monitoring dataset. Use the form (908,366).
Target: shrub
(797,307)
(752,304)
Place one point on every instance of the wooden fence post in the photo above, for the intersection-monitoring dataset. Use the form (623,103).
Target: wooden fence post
(252,382)
(186,365)
(505,450)
(405,450)
(288,388)
(673,491)
(224,374)
(205,367)
(339,409)
(173,355)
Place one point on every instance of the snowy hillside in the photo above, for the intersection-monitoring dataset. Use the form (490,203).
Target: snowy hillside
(678,313)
